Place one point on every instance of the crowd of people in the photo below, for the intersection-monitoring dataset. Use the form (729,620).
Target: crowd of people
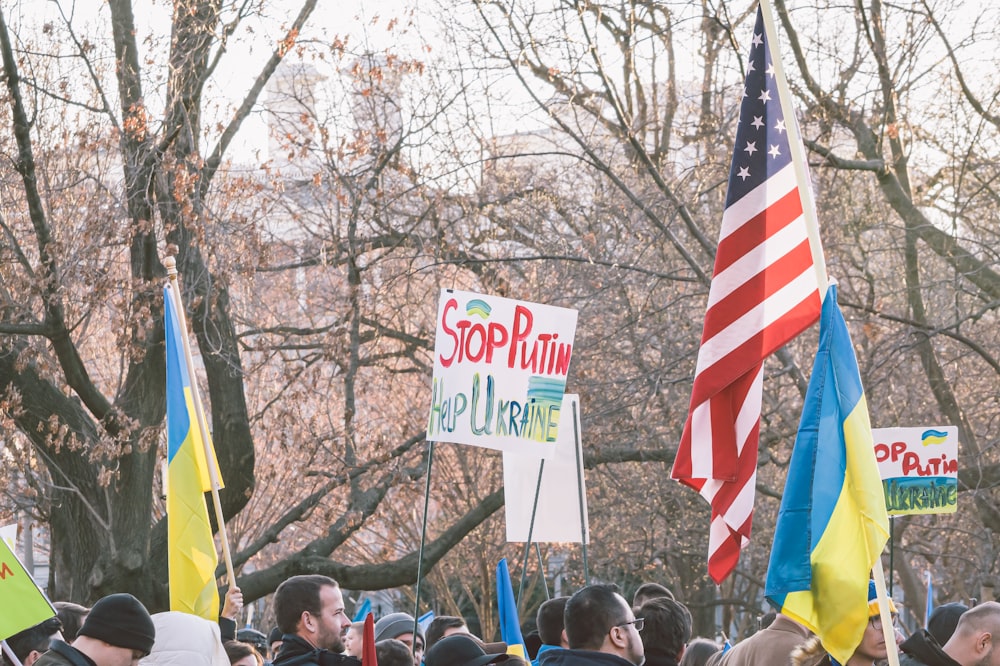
(596,626)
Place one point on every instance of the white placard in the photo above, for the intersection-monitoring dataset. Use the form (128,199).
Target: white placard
(500,368)
(557,517)
(919,468)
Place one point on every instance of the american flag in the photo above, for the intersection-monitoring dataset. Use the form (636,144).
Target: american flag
(765,290)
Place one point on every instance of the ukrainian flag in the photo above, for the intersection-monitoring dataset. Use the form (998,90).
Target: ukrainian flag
(832,525)
(510,625)
(192,557)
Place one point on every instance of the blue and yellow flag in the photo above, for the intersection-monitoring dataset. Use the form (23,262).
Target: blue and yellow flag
(832,525)
(192,557)
(510,625)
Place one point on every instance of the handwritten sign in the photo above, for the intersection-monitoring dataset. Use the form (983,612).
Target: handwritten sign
(500,368)
(919,468)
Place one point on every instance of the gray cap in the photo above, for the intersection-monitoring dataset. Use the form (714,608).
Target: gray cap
(393,625)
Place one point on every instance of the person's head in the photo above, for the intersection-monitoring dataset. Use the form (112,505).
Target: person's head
(943,620)
(400,627)
(461,650)
(72,616)
(255,638)
(391,652)
(977,637)
(118,631)
(648,591)
(354,639)
(242,654)
(698,651)
(550,622)
(872,647)
(274,642)
(312,607)
(29,644)
(442,626)
(598,618)
(666,627)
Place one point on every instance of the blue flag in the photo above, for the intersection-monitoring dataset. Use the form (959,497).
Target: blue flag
(930,600)
(510,625)
(363,610)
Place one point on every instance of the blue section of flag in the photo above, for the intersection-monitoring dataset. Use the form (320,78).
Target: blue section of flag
(363,610)
(510,625)
(761,148)
(424,621)
(930,600)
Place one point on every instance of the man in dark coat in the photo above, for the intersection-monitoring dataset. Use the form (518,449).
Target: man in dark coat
(601,630)
(310,614)
(666,630)
(117,632)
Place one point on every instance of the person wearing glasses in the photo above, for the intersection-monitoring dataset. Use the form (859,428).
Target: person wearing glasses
(666,631)
(872,648)
(601,630)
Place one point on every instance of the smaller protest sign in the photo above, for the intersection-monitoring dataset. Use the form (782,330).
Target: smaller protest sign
(562,497)
(919,468)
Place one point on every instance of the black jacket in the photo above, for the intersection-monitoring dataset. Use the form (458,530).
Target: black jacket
(921,649)
(64,654)
(581,658)
(296,651)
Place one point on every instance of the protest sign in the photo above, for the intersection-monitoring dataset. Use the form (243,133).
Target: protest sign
(558,513)
(24,605)
(500,369)
(919,468)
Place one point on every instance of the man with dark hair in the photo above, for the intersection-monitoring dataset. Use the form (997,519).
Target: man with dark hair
(666,631)
(310,613)
(28,645)
(601,630)
(551,629)
(442,626)
(648,591)
(390,652)
(118,630)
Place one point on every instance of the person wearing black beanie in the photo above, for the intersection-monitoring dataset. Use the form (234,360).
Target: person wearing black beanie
(117,632)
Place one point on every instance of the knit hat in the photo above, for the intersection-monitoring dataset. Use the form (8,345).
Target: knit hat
(120,620)
(873,601)
(393,625)
(275,635)
(944,619)
(460,650)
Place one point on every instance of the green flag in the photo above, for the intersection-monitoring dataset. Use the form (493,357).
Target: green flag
(24,605)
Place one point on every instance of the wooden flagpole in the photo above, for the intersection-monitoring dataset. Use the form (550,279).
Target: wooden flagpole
(171,265)
(796,147)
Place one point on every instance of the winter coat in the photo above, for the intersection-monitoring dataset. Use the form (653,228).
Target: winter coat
(921,649)
(296,651)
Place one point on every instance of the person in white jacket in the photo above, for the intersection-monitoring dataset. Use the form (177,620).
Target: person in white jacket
(185,640)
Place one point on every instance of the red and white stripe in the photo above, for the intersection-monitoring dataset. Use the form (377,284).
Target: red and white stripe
(764,292)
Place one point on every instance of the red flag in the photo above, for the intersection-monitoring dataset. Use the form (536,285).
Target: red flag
(765,290)
(368,657)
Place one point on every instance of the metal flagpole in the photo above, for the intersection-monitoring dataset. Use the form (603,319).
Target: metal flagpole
(531,529)
(423,539)
(579,481)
